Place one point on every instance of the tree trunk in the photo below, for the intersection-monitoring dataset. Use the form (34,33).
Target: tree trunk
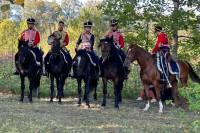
(175,30)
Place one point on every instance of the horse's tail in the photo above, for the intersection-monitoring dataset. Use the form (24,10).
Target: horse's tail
(193,75)
(93,84)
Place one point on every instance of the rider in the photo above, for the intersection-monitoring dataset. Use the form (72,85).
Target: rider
(163,47)
(33,38)
(64,41)
(86,40)
(118,41)
(117,36)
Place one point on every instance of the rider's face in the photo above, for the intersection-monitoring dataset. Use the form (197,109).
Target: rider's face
(30,26)
(60,26)
(87,29)
(114,28)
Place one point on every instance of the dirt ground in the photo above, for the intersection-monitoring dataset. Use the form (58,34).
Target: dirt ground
(42,116)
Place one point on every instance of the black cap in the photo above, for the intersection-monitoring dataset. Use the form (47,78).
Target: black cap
(158,28)
(88,24)
(113,22)
(30,21)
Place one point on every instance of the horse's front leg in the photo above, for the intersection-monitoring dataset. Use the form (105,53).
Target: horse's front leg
(147,97)
(79,90)
(52,87)
(31,89)
(120,91)
(22,87)
(105,80)
(87,87)
(59,89)
(116,92)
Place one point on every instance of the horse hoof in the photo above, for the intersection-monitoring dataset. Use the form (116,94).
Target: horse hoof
(21,101)
(78,105)
(116,107)
(87,106)
(95,99)
(51,101)
(60,102)
(103,105)
(145,110)
(30,101)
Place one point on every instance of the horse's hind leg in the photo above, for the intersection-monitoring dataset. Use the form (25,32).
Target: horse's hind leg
(38,92)
(175,93)
(22,87)
(52,87)
(105,80)
(184,82)
(95,90)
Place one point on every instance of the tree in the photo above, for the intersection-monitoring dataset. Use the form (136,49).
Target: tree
(173,15)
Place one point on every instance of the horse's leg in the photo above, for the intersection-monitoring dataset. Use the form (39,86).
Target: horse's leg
(87,90)
(184,82)
(95,89)
(38,92)
(31,89)
(22,87)
(79,91)
(59,89)
(120,91)
(116,92)
(175,92)
(105,80)
(157,87)
(147,97)
(52,87)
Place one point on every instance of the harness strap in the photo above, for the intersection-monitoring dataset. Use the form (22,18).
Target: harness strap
(38,63)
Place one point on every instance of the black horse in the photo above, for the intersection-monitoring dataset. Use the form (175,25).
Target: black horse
(84,70)
(111,68)
(57,67)
(26,65)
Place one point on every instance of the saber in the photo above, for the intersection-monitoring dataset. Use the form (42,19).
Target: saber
(165,74)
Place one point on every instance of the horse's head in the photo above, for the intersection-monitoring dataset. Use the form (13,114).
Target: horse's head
(55,45)
(81,62)
(107,46)
(23,51)
(131,54)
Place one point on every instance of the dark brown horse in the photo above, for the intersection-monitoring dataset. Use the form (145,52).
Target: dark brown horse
(150,75)
(111,69)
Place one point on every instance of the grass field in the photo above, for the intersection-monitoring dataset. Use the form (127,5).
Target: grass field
(42,116)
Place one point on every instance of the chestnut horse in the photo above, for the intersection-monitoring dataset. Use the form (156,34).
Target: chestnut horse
(150,75)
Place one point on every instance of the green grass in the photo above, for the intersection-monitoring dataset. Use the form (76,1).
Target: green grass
(41,116)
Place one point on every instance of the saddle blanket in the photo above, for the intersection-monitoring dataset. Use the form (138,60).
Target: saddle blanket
(172,66)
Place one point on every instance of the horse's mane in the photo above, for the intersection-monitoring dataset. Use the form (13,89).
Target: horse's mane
(22,43)
(138,48)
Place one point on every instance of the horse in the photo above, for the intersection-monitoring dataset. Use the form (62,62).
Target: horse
(27,67)
(111,69)
(57,67)
(84,70)
(150,75)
